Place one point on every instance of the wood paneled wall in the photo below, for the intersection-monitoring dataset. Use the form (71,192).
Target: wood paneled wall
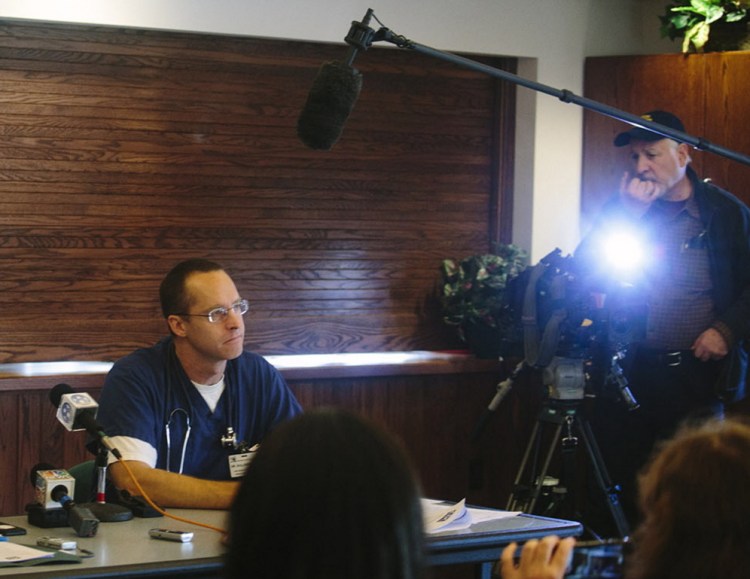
(123,151)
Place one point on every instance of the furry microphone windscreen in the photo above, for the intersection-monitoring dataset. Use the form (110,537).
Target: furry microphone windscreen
(331,99)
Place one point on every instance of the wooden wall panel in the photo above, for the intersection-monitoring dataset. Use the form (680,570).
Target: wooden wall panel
(726,118)
(10,416)
(123,151)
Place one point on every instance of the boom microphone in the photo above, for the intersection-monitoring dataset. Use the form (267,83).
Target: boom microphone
(77,411)
(329,103)
(334,92)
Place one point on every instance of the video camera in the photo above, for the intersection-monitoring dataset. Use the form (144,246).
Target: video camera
(575,332)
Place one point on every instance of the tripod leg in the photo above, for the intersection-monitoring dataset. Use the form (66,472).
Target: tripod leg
(602,478)
(545,468)
(536,479)
(513,503)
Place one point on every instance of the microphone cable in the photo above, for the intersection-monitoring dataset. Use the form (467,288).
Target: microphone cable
(161,511)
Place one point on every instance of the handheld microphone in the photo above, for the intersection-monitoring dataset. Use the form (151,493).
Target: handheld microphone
(44,477)
(77,411)
(334,92)
(54,486)
(83,521)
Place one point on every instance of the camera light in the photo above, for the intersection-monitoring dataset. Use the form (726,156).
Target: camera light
(623,252)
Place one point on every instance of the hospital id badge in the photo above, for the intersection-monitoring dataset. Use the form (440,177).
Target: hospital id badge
(239,461)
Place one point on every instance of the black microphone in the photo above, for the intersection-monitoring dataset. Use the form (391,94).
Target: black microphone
(83,521)
(334,92)
(55,486)
(77,411)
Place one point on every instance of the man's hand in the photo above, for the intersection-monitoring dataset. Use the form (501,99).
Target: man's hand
(638,192)
(545,559)
(710,345)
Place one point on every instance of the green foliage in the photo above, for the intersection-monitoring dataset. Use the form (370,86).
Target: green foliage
(692,20)
(474,287)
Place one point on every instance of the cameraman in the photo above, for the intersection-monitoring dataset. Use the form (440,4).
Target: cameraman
(695,288)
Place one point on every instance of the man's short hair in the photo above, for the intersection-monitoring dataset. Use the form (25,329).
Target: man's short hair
(172,294)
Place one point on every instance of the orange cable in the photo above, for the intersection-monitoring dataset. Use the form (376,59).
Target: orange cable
(159,509)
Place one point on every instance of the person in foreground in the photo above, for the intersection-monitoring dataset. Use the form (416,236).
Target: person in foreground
(329,495)
(696,511)
(185,412)
(696,506)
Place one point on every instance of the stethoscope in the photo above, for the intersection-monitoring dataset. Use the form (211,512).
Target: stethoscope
(228,439)
(184,440)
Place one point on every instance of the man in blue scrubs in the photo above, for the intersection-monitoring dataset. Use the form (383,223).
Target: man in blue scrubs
(185,412)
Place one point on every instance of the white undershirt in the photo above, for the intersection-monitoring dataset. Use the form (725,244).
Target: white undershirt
(210,392)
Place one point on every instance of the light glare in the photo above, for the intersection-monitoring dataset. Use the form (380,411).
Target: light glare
(623,252)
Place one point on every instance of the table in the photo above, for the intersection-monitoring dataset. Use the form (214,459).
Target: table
(482,543)
(124,549)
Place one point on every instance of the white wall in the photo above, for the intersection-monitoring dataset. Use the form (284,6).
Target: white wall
(551,36)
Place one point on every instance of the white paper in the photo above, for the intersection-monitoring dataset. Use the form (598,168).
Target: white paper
(480,515)
(13,553)
(440,516)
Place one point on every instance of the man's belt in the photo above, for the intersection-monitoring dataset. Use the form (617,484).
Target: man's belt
(662,357)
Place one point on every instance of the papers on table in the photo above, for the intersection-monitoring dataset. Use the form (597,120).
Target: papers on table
(14,553)
(440,516)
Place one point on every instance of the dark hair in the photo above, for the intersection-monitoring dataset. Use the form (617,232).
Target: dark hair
(695,500)
(172,293)
(328,496)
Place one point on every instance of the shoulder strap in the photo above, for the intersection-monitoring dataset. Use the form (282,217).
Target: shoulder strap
(539,348)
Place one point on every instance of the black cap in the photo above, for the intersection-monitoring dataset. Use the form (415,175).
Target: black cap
(639,134)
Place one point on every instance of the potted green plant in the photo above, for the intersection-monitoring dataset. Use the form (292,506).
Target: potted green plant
(474,298)
(707,25)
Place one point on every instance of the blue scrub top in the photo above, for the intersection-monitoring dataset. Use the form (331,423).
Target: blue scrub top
(144,389)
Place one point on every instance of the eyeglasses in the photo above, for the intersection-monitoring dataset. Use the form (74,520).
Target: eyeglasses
(221,313)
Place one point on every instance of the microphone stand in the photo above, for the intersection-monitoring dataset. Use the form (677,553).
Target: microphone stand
(361,37)
(104,511)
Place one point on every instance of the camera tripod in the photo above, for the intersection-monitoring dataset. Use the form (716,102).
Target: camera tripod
(537,495)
